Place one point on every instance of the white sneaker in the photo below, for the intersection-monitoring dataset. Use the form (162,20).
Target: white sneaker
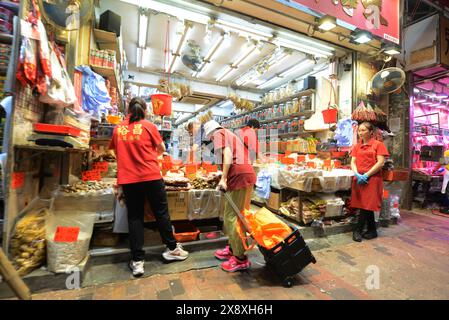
(177,254)
(137,267)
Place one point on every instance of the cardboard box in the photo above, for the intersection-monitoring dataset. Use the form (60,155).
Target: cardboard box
(273,201)
(178,206)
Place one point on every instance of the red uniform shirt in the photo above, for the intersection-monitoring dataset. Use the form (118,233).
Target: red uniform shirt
(366,154)
(135,147)
(241,173)
(368,196)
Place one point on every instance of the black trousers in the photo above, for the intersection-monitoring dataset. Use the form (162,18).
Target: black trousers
(366,217)
(135,194)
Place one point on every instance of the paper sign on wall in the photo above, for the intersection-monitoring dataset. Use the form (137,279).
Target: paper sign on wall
(17,180)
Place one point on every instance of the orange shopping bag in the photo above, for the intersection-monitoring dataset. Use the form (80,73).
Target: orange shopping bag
(265,228)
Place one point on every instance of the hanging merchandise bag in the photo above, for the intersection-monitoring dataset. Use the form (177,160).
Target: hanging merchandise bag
(61,92)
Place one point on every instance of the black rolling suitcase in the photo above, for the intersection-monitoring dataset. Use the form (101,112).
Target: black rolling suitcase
(287,258)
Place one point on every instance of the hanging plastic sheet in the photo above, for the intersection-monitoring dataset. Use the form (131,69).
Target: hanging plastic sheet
(344,133)
(96,98)
(263,184)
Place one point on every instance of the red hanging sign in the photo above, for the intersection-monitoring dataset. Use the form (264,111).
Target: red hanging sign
(67,234)
(380,17)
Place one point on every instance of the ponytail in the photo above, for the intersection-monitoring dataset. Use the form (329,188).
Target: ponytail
(136,109)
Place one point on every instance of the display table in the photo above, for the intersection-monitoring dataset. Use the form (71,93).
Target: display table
(191,205)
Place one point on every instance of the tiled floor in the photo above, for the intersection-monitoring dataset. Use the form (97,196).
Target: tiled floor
(407,261)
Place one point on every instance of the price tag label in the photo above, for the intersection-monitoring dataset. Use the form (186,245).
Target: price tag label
(17,180)
(211,168)
(91,175)
(190,169)
(101,166)
(66,234)
(385,196)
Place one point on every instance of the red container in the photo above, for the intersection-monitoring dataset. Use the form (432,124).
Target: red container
(57,129)
(185,231)
(330,115)
(161,104)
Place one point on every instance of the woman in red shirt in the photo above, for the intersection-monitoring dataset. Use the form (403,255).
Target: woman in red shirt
(238,179)
(368,157)
(137,144)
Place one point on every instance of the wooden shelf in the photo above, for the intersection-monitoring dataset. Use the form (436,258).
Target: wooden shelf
(108,41)
(265,106)
(108,73)
(295,115)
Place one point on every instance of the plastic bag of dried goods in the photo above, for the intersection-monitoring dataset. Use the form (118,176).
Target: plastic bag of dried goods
(68,238)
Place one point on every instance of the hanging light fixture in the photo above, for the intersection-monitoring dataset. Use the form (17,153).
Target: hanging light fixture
(182,41)
(361,36)
(391,49)
(327,22)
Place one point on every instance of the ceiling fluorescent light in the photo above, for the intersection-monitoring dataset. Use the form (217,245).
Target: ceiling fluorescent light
(420,99)
(327,23)
(245,31)
(213,50)
(244,55)
(224,73)
(441,95)
(269,82)
(427,103)
(181,43)
(303,64)
(180,13)
(303,40)
(361,36)
(143,30)
(303,48)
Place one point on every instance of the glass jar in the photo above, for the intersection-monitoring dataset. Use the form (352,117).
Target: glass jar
(290,89)
(295,106)
(295,125)
(288,108)
(306,103)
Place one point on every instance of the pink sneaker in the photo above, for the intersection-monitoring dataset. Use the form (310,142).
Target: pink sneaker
(234,264)
(223,254)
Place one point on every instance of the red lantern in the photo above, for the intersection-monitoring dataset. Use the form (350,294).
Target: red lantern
(161,104)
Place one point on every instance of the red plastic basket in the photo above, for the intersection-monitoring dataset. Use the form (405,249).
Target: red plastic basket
(161,104)
(330,115)
(57,129)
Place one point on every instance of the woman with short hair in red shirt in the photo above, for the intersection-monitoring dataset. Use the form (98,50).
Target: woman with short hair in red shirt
(137,144)
(368,157)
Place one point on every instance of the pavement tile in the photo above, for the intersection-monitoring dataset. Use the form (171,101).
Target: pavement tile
(164,295)
(176,287)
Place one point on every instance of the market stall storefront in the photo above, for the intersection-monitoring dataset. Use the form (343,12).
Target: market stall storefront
(308,92)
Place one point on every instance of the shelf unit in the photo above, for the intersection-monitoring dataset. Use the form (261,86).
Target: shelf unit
(269,105)
(108,41)
(109,73)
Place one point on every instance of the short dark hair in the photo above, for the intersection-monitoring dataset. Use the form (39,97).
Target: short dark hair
(367,125)
(253,123)
(136,109)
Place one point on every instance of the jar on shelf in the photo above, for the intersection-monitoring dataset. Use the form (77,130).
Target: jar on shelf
(290,89)
(295,106)
(294,126)
(306,103)
(288,108)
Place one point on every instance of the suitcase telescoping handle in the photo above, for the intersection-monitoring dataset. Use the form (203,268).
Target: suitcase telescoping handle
(236,209)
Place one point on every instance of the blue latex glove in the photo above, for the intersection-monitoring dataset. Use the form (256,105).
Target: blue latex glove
(364,178)
(361,179)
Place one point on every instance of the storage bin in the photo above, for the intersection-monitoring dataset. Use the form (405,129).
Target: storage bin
(185,231)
